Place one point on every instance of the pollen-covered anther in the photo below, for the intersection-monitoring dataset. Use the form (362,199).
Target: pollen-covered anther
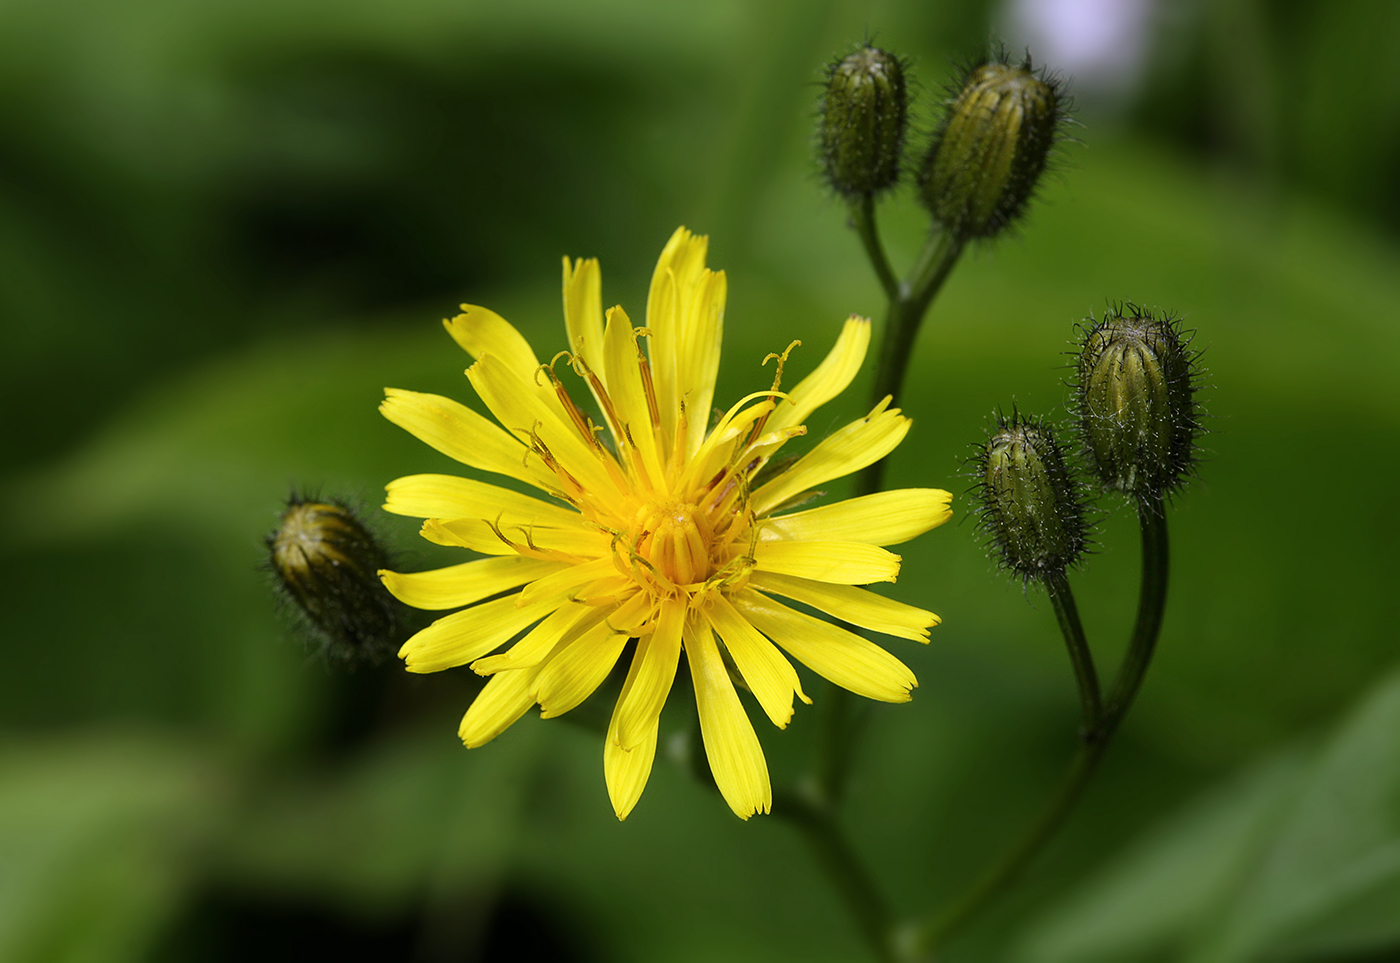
(676,539)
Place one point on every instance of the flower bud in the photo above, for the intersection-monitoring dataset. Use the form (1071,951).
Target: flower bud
(1032,508)
(1137,411)
(864,113)
(992,148)
(327,562)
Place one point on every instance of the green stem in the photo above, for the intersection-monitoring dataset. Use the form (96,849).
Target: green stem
(903,319)
(908,304)
(1014,861)
(1082,660)
(840,717)
(852,881)
(1094,740)
(1152,605)
(863,220)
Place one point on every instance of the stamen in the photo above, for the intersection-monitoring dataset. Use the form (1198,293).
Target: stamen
(576,362)
(580,422)
(676,464)
(547,369)
(604,400)
(496,527)
(660,584)
(648,388)
(782,360)
(716,496)
(559,470)
(762,421)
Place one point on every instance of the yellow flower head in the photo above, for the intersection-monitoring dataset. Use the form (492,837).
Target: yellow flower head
(653,529)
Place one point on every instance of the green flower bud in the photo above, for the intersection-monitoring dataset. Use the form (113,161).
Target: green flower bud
(1032,508)
(991,149)
(864,114)
(1137,410)
(327,563)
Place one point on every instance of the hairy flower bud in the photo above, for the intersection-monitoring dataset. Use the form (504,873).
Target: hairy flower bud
(327,562)
(991,149)
(864,114)
(1032,508)
(1137,410)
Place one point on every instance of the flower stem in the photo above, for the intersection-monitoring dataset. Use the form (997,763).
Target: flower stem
(902,320)
(840,718)
(1152,605)
(1008,868)
(1081,659)
(863,220)
(909,301)
(1094,739)
(852,881)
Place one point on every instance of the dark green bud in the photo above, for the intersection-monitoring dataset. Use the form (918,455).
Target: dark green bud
(1032,507)
(864,115)
(327,563)
(1136,397)
(991,149)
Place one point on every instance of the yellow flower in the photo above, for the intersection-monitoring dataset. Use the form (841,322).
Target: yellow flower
(662,532)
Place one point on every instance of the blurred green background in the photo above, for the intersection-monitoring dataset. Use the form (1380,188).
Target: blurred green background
(225,227)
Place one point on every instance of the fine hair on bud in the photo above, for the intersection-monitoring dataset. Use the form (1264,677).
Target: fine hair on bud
(326,562)
(864,115)
(984,162)
(1031,506)
(1138,415)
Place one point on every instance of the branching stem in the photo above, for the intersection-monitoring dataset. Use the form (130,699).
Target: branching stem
(1094,737)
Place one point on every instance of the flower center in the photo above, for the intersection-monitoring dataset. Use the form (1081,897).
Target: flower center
(676,538)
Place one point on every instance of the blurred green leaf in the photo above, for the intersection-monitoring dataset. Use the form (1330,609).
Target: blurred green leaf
(1328,884)
(411,811)
(99,838)
(1298,860)
(1150,898)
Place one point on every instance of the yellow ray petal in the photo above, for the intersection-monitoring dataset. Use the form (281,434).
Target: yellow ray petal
(850,449)
(568,579)
(885,518)
(632,613)
(463,636)
(769,675)
(472,533)
(515,407)
(481,331)
(736,758)
(833,653)
(717,449)
(700,351)
(504,699)
(847,563)
(628,395)
(612,590)
(458,585)
(559,626)
(460,433)
(583,311)
(450,497)
(830,378)
(685,312)
(571,675)
(854,605)
(658,654)
(574,543)
(626,771)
